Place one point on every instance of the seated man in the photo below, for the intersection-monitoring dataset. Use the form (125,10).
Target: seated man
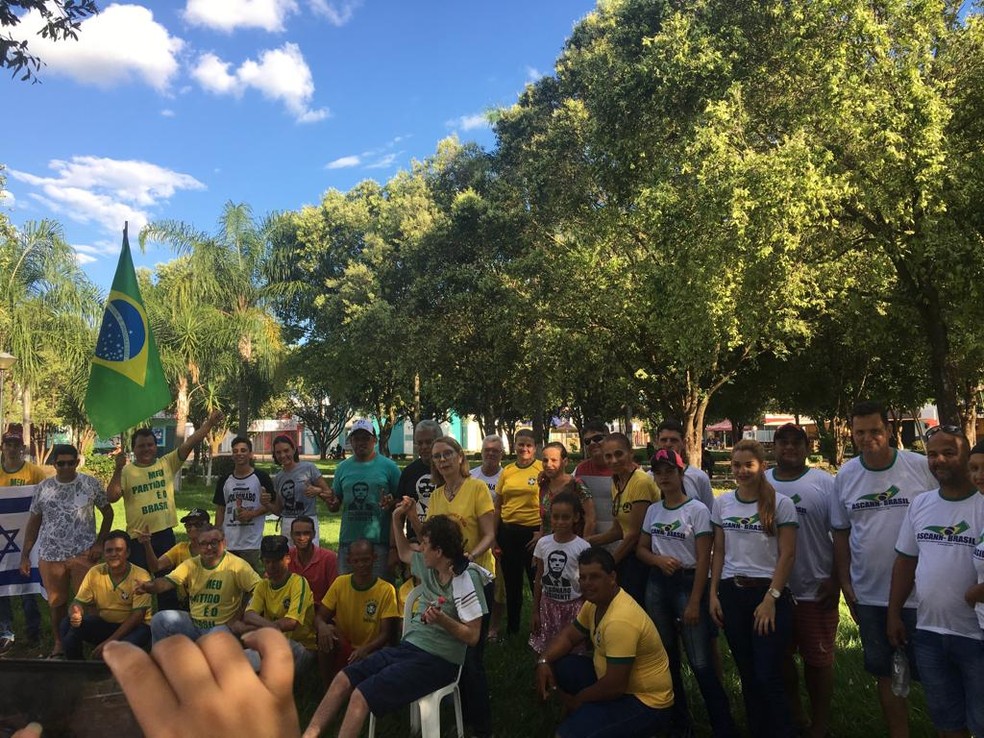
(109,590)
(181,551)
(217,583)
(283,601)
(358,614)
(448,619)
(316,564)
(627,691)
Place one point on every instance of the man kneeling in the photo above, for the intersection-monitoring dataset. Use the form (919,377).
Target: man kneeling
(109,588)
(448,618)
(627,692)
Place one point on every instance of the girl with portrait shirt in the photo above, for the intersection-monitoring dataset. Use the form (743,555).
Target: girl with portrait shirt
(754,549)
(557,592)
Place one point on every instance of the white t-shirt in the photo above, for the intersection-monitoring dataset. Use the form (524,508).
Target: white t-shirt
(748,551)
(560,569)
(812,494)
(674,531)
(871,503)
(697,485)
(979,567)
(490,480)
(943,534)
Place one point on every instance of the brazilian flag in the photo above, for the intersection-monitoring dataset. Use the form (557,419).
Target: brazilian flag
(127,382)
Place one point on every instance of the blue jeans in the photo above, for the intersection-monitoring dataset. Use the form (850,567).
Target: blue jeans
(952,672)
(95,630)
(475,703)
(759,657)
(666,600)
(632,575)
(32,616)
(161,542)
(622,717)
(167,623)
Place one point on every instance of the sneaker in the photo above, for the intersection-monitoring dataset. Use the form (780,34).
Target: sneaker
(6,641)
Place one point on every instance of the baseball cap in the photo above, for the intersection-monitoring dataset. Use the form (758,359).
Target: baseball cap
(790,430)
(273,547)
(362,425)
(195,514)
(14,432)
(669,457)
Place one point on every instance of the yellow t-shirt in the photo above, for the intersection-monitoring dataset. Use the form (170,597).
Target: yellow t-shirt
(402,593)
(28,474)
(293,599)
(178,553)
(626,634)
(639,488)
(115,601)
(359,613)
(520,494)
(148,494)
(471,502)
(214,595)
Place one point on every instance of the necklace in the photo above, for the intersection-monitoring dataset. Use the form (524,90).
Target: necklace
(451,493)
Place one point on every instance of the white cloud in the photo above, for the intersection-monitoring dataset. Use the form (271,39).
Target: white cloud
(7,199)
(337,13)
(280,74)
(167,113)
(121,43)
(469,122)
(228,15)
(383,162)
(533,74)
(344,162)
(106,191)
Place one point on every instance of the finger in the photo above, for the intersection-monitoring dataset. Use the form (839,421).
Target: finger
(186,669)
(276,661)
(147,690)
(31,730)
(223,654)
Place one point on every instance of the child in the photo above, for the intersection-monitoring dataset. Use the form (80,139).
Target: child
(556,591)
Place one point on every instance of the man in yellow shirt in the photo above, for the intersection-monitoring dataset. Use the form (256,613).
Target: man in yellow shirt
(217,583)
(15,471)
(283,601)
(358,614)
(147,489)
(110,590)
(625,687)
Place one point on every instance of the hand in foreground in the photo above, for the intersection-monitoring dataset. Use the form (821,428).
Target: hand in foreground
(545,683)
(181,684)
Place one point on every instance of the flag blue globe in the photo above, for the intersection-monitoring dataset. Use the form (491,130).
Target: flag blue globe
(122,335)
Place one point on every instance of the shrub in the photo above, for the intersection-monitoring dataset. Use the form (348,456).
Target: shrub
(100,466)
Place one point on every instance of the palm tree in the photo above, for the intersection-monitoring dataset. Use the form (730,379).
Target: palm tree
(232,271)
(45,300)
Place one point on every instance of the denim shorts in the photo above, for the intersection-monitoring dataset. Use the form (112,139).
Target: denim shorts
(952,669)
(872,627)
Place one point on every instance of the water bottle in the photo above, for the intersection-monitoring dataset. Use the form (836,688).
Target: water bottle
(900,674)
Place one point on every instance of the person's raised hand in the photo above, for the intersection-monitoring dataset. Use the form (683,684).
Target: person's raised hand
(184,686)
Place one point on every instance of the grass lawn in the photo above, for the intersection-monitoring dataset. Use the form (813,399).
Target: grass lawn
(517,712)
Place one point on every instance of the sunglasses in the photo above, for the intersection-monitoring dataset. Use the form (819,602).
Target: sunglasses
(952,430)
(594,439)
(66,464)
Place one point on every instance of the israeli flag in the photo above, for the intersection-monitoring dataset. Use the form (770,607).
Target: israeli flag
(15,506)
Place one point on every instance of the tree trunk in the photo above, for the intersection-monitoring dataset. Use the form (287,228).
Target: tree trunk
(181,408)
(27,409)
(896,427)
(693,426)
(242,405)
(968,418)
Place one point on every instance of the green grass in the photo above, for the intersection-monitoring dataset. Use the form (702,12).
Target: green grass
(517,712)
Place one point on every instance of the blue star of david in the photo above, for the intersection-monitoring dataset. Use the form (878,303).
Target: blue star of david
(11,542)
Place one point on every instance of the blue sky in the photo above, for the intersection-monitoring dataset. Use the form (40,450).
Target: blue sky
(167,110)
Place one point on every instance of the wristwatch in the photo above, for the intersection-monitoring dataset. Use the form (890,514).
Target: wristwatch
(774,593)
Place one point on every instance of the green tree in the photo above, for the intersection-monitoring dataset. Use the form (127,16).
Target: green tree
(62,21)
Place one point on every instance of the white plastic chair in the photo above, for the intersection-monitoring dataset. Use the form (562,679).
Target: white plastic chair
(425,713)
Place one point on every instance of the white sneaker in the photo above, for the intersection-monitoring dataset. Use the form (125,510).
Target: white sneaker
(6,641)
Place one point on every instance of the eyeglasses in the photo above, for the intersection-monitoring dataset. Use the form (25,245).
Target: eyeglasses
(444,455)
(953,430)
(594,439)
(66,464)
(210,544)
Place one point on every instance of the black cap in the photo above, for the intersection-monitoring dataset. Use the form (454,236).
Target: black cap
(273,547)
(790,429)
(195,513)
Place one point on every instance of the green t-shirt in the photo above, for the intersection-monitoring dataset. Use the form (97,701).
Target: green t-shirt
(433,638)
(361,485)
